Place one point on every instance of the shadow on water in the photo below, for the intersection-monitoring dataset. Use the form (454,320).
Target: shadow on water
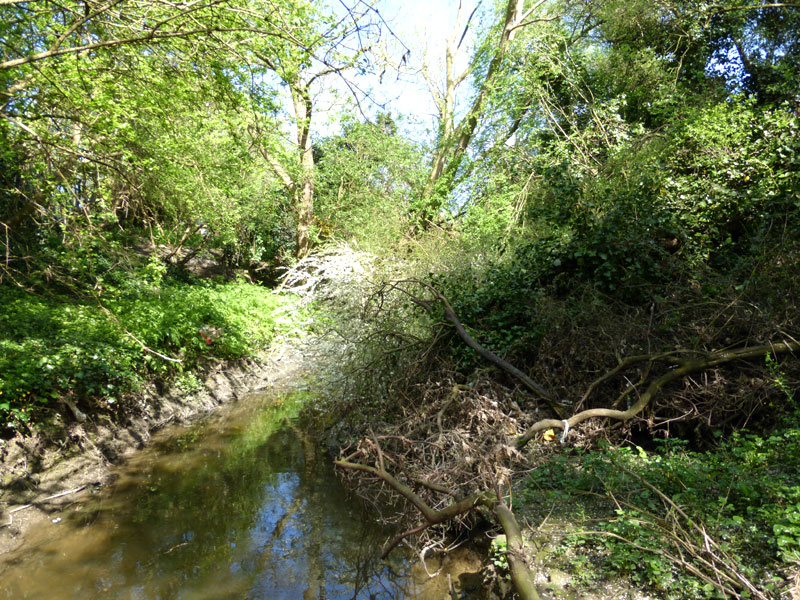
(242,506)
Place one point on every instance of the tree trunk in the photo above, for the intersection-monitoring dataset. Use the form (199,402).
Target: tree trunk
(304,195)
(453,142)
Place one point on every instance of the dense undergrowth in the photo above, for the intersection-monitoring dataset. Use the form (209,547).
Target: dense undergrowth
(626,184)
(678,520)
(98,349)
(716,460)
(711,492)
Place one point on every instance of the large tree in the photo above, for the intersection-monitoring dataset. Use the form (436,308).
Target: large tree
(133,111)
(454,135)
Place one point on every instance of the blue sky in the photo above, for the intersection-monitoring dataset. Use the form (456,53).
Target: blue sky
(423,26)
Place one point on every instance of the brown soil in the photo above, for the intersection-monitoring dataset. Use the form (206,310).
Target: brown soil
(41,476)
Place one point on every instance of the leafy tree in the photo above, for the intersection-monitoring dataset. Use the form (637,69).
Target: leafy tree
(635,162)
(453,137)
(327,46)
(368,178)
(35,32)
(137,114)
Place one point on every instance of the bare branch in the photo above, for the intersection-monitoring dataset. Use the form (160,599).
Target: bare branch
(451,316)
(466,27)
(541,20)
(521,575)
(686,367)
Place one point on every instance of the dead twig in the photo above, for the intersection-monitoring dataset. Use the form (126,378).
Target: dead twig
(38,502)
(521,575)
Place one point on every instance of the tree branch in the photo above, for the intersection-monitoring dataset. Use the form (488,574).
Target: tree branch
(686,367)
(274,163)
(520,21)
(462,332)
(521,576)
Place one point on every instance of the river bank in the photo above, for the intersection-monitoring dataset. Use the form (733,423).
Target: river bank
(452,433)
(41,476)
(76,506)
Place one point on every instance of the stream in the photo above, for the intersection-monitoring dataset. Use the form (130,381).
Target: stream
(241,505)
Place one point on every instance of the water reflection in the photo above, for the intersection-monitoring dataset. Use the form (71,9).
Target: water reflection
(242,507)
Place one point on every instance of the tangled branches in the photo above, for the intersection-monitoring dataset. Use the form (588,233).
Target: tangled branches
(448,458)
(678,367)
(456,449)
(681,368)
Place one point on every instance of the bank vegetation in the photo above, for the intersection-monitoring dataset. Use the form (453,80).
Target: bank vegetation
(576,300)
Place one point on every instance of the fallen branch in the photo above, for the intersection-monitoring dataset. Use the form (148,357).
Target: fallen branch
(521,576)
(624,364)
(685,367)
(462,332)
(432,517)
(685,542)
(728,570)
(728,591)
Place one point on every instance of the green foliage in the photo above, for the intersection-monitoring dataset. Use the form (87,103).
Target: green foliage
(127,136)
(498,554)
(787,532)
(734,179)
(92,350)
(710,200)
(103,148)
(639,157)
(366,180)
(779,378)
(189,383)
(500,300)
(744,495)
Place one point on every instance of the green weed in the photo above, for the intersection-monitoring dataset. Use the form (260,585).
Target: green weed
(97,351)
(745,496)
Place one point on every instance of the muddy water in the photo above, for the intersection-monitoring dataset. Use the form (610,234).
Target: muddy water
(241,506)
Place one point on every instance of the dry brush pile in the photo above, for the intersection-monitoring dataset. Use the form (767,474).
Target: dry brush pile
(444,447)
